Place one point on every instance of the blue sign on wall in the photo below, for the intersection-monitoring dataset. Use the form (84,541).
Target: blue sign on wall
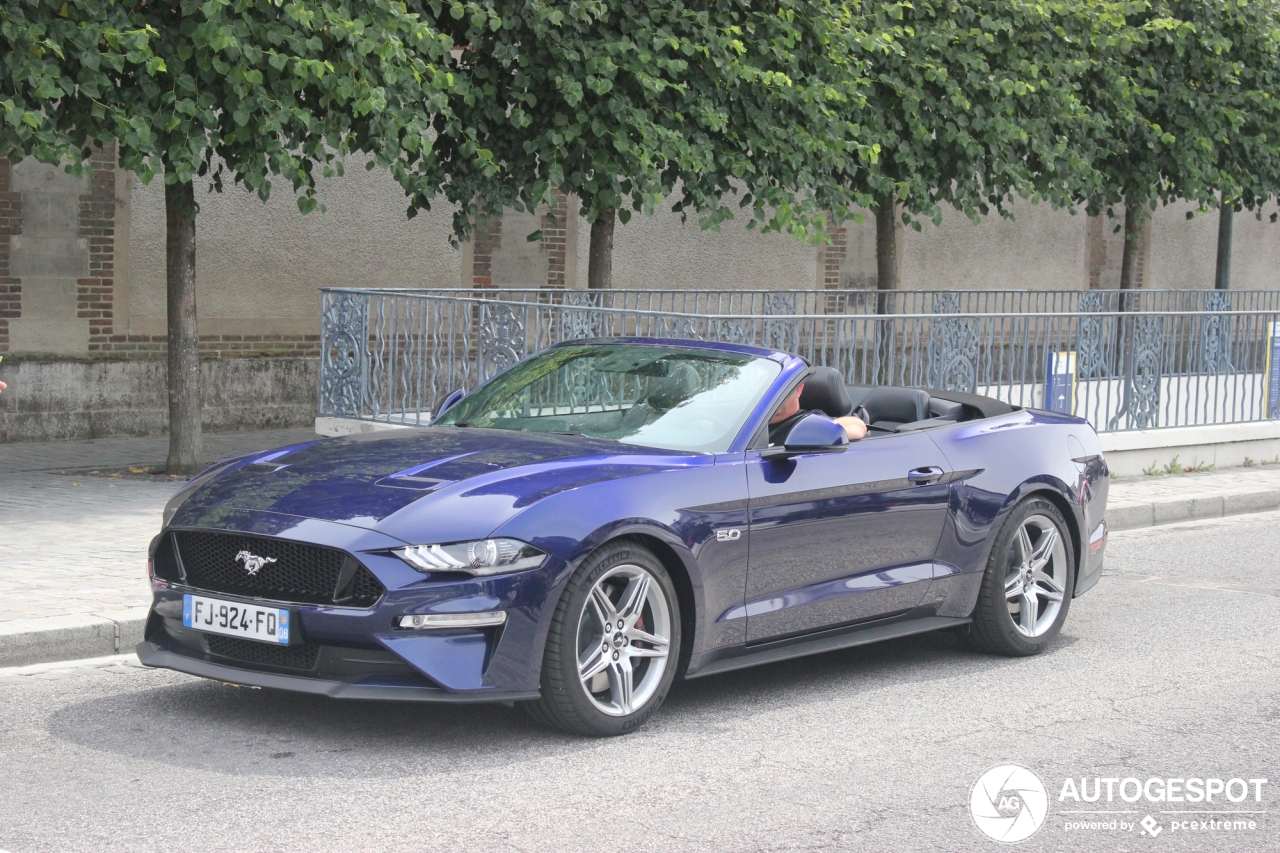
(1273,369)
(1060,382)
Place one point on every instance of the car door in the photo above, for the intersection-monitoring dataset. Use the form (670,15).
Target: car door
(840,538)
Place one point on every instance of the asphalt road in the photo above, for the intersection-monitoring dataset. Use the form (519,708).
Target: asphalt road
(1169,668)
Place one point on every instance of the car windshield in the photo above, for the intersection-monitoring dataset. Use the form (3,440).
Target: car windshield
(655,396)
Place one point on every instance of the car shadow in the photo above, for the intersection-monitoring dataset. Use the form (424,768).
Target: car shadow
(193,723)
(922,658)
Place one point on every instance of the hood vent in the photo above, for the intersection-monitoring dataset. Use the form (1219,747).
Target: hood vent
(418,484)
(413,478)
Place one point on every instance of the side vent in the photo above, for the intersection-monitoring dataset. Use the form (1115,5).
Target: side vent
(166,563)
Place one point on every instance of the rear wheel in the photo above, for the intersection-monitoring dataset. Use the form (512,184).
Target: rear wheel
(613,645)
(1027,588)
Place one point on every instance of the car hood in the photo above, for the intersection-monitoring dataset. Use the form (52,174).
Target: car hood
(419,484)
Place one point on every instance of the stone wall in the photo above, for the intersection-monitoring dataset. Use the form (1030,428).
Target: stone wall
(260,266)
(51,400)
(10,227)
(82,276)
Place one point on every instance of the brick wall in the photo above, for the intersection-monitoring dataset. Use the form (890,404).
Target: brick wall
(215,346)
(833,255)
(830,260)
(95,295)
(485,241)
(1104,247)
(10,225)
(555,240)
(486,244)
(1096,247)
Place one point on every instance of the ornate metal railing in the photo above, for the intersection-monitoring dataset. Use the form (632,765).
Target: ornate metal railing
(808,302)
(393,355)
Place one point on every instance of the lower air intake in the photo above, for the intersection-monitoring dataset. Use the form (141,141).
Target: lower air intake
(301,657)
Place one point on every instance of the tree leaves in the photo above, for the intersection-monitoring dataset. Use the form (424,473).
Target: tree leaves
(784,111)
(267,88)
(1188,98)
(625,102)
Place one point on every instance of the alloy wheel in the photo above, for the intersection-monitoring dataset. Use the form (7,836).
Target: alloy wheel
(624,638)
(1036,580)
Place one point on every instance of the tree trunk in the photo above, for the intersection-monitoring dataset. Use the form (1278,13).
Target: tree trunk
(886,280)
(185,448)
(600,261)
(1129,260)
(1222,278)
(887,243)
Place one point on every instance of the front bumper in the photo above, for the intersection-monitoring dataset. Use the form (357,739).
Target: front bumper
(350,652)
(151,654)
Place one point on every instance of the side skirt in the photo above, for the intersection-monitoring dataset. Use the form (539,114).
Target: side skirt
(830,643)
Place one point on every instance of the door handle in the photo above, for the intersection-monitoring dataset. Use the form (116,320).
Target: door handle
(924,476)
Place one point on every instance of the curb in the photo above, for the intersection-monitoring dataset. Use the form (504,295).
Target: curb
(82,635)
(1156,513)
(58,638)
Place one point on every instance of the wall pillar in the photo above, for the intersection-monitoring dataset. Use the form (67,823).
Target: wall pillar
(555,241)
(832,256)
(1104,251)
(501,255)
(848,261)
(61,256)
(10,226)
(486,239)
(95,294)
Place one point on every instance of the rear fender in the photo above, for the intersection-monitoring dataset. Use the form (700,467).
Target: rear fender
(1060,495)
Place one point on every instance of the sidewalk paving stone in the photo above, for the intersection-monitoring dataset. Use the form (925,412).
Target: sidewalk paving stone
(73,547)
(149,450)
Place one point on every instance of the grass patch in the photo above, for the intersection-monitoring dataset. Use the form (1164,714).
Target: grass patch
(1175,468)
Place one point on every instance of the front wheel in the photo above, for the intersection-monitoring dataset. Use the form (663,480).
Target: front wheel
(1028,583)
(613,644)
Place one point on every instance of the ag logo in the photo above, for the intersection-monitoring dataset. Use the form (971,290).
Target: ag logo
(1009,803)
(729,534)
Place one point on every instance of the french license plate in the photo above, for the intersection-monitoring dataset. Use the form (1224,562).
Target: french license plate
(236,619)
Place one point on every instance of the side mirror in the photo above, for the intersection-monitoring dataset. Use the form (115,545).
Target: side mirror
(813,434)
(450,401)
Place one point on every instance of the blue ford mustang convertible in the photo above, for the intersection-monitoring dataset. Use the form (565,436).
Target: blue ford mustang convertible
(607,516)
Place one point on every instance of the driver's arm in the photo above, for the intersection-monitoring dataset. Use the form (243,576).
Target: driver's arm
(853,426)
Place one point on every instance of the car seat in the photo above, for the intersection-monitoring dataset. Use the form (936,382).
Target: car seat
(889,408)
(824,390)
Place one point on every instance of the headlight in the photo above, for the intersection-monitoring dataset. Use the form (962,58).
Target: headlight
(481,558)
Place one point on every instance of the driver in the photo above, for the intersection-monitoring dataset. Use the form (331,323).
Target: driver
(789,414)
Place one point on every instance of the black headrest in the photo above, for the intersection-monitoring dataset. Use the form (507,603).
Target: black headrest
(898,405)
(824,390)
(673,389)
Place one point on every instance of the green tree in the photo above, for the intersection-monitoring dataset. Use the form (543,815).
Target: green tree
(973,103)
(621,102)
(206,91)
(1200,122)
(1248,156)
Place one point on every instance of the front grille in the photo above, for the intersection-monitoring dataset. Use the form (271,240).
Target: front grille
(263,654)
(306,574)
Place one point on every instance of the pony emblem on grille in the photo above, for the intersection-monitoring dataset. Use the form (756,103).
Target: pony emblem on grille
(252,562)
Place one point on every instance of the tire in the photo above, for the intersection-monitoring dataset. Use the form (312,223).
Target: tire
(1026,590)
(627,672)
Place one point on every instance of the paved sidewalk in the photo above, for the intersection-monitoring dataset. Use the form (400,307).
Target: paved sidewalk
(150,450)
(73,567)
(1147,501)
(73,547)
